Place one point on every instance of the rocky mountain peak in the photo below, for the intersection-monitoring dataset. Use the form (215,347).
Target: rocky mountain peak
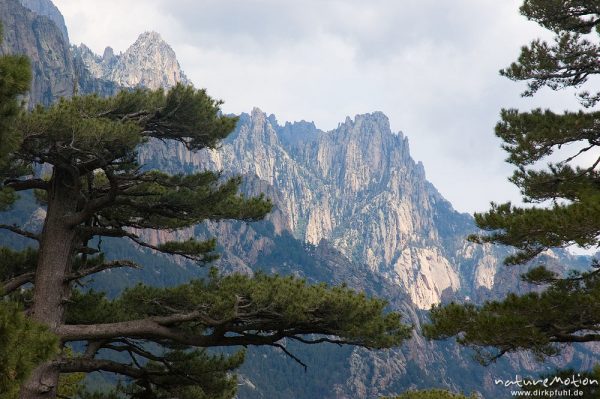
(109,54)
(258,115)
(376,119)
(149,38)
(149,62)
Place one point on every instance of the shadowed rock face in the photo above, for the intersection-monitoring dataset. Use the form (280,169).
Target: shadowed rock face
(48,9)
(26,32)
(56,73)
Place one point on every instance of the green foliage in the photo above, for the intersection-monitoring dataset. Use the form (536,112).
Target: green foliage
(432,394)
(15,78)
(539,275)
(69,385)
(7,198)
(534,230)
(536,321)
(288,302)
(531,137)
(191,375)
(565,195)
(200,250)
(502,325)
(14,263)
(91,127)
(253,310)
(569,60)
(23,345)
(169,202)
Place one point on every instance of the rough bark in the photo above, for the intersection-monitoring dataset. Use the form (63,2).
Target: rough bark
(51,287)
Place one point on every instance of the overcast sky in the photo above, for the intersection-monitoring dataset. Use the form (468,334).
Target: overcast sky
(430,65)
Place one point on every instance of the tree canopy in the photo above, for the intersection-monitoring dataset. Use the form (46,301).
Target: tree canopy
(562,199)
(79,157)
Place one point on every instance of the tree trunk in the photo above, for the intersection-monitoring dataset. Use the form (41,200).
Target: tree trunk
(51,289)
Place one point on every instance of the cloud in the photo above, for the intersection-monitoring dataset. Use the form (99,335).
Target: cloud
(431,66)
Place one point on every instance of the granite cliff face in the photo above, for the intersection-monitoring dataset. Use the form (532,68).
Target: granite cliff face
(37,36)
(48,9)
(384,230)
(149,62)
(357,188)
(36,28)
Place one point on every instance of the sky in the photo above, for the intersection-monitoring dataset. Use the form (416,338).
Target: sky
(430,65)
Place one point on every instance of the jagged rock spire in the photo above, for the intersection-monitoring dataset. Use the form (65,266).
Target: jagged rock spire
(148,62)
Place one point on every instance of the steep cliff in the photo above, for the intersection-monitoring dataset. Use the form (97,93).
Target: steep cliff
(367,216)
(48,9)
(358,188)
(38,31)
(26,32)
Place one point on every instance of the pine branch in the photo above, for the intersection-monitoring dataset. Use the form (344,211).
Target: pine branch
(155,329)
(92,348)
(84,365)
(295,358)
(21,232)
(166,328)
(566,338)
(162,249)
(23,185)
(96,204)
(128,346)
(93,231)
(326,339)
(104,266)
(89,232)
(15,283)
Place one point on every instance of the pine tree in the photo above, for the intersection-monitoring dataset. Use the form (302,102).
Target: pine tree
(23,343)
(562,199)
(91,186)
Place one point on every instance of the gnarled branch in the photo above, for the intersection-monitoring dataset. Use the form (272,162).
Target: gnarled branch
(21,232)
(29,184)
(85,365)
(15,283)
(104,266)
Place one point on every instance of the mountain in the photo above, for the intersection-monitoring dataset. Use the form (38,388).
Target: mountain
(357,188)
(351,206)
(37,36)
(48,9)
(149,62)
